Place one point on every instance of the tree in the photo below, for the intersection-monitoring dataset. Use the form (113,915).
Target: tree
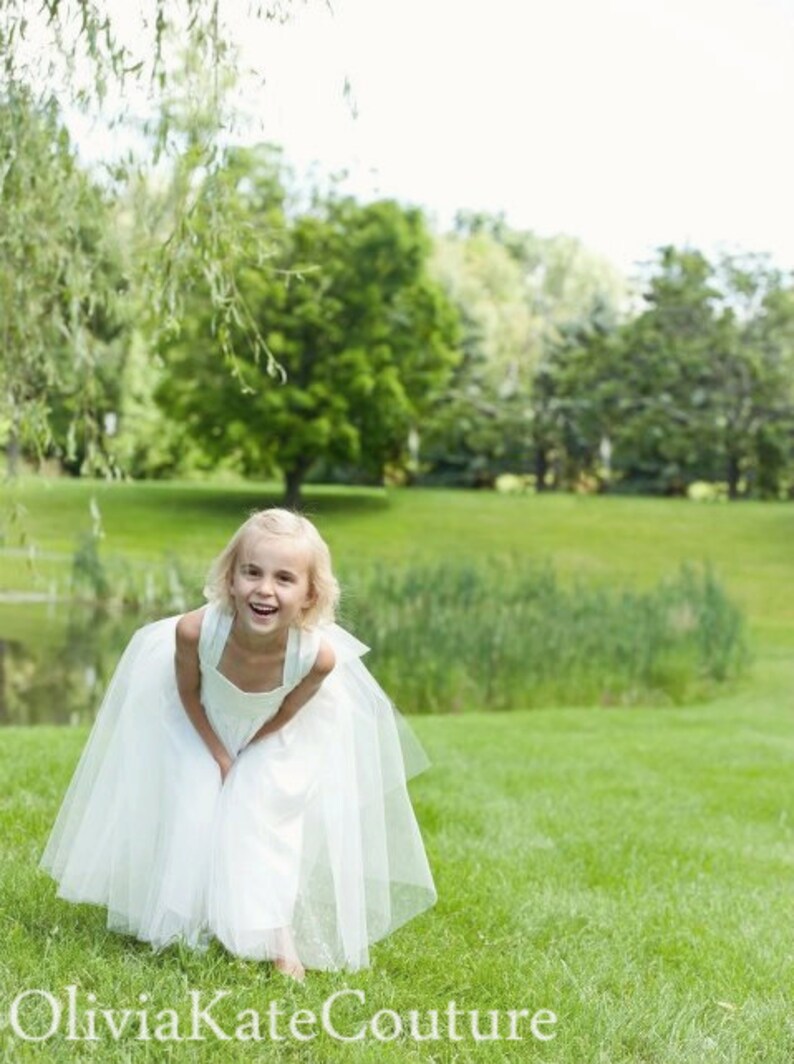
(657,386)
(572,425)
(696,386)
(62,284)
(365,340)
(753,386)
(517,295)
(75,54)
(479,427)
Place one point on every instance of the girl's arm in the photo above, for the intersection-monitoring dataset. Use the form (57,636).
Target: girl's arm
(188,682)
(300,694)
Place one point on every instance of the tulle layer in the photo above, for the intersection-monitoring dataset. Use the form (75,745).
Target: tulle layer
(309,850)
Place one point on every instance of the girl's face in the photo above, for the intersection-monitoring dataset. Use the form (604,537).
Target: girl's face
(270,585)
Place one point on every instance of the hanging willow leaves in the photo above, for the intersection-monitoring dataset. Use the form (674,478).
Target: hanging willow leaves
(82,256)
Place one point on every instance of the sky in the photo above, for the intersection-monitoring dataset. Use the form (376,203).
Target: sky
(626,123)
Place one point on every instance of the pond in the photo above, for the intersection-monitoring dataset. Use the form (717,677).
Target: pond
(56,660)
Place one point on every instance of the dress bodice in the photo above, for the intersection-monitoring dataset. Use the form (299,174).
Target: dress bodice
(236,714)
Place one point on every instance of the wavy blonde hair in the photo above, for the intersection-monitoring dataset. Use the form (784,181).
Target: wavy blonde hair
(323,585)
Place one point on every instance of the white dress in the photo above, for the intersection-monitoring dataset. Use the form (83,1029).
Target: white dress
(312,830)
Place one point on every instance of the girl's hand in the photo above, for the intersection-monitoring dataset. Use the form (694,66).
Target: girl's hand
(224,764)
(264,731)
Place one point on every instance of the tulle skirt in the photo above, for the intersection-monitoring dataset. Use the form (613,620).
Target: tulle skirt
(309,850)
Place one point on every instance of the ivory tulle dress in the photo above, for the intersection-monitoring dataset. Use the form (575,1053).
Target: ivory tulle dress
(312,830)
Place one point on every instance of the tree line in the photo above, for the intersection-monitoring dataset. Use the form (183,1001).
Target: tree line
(313,336)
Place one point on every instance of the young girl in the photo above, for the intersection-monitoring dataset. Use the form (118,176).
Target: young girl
(246,776)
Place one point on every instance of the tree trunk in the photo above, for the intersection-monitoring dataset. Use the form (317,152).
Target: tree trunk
(12,454)
(541,467)
(293,479)
(733,476)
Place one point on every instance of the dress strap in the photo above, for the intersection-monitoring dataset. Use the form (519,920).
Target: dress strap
(306,645)
(215,625)
(309,648)
(301,653)
(345,645)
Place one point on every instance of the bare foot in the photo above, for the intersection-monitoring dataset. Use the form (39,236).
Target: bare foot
(289,963)
(293,969)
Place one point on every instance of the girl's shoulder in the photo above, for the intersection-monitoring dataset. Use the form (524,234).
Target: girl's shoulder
(324,659)
(188,626)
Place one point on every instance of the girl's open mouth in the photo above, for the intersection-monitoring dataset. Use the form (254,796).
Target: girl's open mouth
(263,611)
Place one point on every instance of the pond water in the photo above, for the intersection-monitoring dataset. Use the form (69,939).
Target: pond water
(56,660)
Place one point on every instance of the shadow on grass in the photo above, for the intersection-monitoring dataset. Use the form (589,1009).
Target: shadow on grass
(238,503)
(80,931)
(76,939)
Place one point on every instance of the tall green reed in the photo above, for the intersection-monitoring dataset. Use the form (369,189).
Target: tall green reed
(501,633)
(507,633)
(114,583)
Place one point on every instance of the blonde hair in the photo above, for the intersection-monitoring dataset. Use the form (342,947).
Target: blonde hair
(323,585)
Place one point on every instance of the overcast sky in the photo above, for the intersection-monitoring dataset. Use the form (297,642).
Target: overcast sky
(627,123)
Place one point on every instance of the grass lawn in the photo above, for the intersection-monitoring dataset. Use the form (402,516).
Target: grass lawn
(630,870)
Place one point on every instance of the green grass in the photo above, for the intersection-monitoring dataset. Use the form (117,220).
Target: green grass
(630,869)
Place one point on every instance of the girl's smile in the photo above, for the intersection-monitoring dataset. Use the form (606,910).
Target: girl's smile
(262,610)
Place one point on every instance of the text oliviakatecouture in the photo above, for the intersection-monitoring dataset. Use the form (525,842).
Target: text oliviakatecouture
(37,1015)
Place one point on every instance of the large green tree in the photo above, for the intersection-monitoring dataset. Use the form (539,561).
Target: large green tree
(364,336)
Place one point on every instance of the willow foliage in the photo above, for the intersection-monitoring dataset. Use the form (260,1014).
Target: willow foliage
(81,256)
